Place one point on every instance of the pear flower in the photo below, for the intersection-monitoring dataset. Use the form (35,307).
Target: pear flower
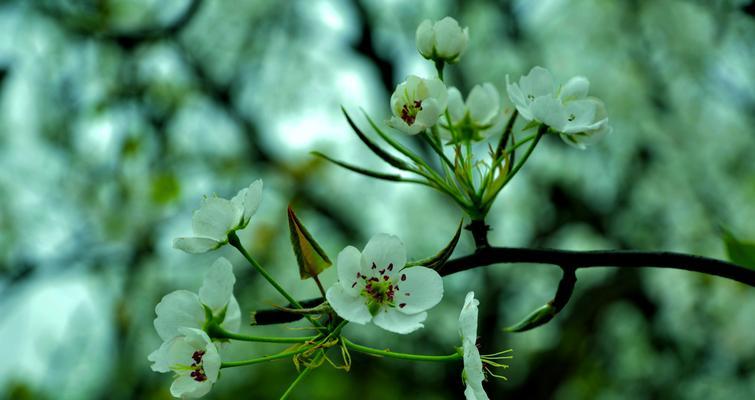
(218,217)
(480,112)
(372,286)
(443,40)
(417,103)
(568,110)
(473,374)
(185,309)
(193,358)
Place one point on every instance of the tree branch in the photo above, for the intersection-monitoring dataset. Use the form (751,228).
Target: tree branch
(601,258)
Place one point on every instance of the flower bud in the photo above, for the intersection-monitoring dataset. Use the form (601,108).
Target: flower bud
(443,40)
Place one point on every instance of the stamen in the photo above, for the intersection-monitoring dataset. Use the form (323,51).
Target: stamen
(403,277)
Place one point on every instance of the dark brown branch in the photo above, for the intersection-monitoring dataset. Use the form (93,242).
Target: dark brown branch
(601,258)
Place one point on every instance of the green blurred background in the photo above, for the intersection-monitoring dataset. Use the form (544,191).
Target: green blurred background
(117,116)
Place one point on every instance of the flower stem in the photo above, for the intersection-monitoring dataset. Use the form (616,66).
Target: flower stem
(301,375)
(439,64)
(402,356)
(218,332)
(233,240)
(540,132)
(230,364)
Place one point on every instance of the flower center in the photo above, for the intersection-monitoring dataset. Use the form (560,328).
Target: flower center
(378,289)
(197,372)
(409,112)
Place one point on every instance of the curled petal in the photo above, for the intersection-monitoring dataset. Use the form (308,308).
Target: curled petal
(196,245)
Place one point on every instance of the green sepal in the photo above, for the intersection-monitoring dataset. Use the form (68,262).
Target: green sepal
(309,255)
(437,261)
(387,157)
(538,317)
(739,252)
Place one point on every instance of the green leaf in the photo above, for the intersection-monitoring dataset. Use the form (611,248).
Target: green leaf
(538,317)
(310,256)
(394,143)
(387,157)
(739,252)
(437,261)
(363,171)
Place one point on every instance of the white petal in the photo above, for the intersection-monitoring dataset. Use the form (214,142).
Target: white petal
(217,287)
(195,245)
(473,367)
(159,358)
(178,309)
(450,39)
(420,289)
(483,103)
(455,105)
(436,90)
(425,38)
(582,115)
(576,88)
(186,387)
(399,124)
(428,116)
(517,97)
(386,252)
(348,265)
(550,111)
(398,99)
(211,362)
(539,82)
(350,308)
(252,199)
(215,218)
(395,321)
(232,321)
(468,318)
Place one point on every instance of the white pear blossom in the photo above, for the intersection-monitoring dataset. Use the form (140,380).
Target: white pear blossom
(473,373)
(193,358)
(480,112)
(443,40)
(567,110)
(185,309)
(217,217)
(417,103)
(372,286)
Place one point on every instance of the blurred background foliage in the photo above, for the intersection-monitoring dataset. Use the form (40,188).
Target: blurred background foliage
(117,116)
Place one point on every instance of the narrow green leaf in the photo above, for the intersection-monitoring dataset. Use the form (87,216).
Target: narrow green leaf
(739,252)
(394,143)
(387,157)
(310,256)
(437,261)
(363,171)
(538,317)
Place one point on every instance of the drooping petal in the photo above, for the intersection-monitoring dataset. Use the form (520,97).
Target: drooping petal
(348,265)
(178,309)
(473,373)
(455,105)
(186,387)
(395,321)
(575,88)
(425,38)
(195,245)
(232,321)
(215,218)
(420,289)
(350,308)
(468,318)
(217,287)
(386,252)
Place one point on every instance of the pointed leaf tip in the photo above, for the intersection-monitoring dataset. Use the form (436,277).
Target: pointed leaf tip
(739,252)
(437,261)
(537,318)
(310,256)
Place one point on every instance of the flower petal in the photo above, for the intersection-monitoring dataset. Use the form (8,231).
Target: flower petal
(211,362)
(449,38)
(215,218)
(539,82)
(386,252)
(428,116)
(550,111)
(395,321)
(232,321)
(519,99)
(159,358)
(186,387)
(348,265)
(350,308)
(420,289)
(178,309)
(455,105)
(468,318)
(425,38)
(217,287)
(252,199)
(195,245)
(483,103)
(473,373)
(575,88)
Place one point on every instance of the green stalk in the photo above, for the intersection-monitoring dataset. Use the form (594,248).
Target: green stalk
(231,364)
(402,356)
(220,333)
